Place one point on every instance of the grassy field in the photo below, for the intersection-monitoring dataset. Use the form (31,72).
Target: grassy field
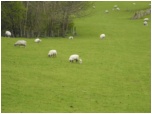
(114,76)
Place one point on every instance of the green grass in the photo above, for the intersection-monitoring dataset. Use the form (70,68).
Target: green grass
(114,75)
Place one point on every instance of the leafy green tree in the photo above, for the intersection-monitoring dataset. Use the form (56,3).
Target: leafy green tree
(42,18)
(12,15)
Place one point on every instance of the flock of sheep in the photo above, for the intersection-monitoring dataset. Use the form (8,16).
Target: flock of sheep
(52,53)
(74,57)
(115,7)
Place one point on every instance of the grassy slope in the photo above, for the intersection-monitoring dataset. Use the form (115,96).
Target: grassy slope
(114,76)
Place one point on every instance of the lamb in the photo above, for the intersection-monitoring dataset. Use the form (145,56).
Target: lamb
(117,8)
(106,11)
(102,36)
(37,40)
(134,3)
(20,43)
(8,33)
(94,7)
(146,19)
(76,58)
(52,53)
(145,23)
(70,37)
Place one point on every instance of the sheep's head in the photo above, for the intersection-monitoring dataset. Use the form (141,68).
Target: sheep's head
(80,61)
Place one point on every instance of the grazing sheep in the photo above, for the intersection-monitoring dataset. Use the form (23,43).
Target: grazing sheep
(106,11)
(80,61)
(52,53)
(102,36)
(94,7)
(117,8)
(146,19)
(20,43)
(8,33)
(37,40)
(145,23)
(134,3)
(76,58)
(70,37)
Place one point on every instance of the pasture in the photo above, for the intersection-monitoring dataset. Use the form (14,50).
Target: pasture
(115,74)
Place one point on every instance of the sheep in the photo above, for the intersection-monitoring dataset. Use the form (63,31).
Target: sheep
(94,7)
(106,11)
(117,8)
(134,3)
(146,19)
(8,33)
(70,37)
(37,40)
(80,61)
(52,53)
(75,57)
(20,43)
(102,36)
(145,23)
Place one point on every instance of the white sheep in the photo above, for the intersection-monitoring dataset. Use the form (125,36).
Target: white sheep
(134,3)
(102,36)
(106,11)
(75,57)
(70,37)
(117,8)
(94,7)
(145,23)
(52,53)
(80,61)
(20,43)
(37,40)
(146,19)
(8,33)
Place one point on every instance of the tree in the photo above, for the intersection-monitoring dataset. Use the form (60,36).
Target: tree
(42,18)
(12,15)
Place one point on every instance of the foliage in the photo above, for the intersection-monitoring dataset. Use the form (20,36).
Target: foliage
(12,16)
(42,17)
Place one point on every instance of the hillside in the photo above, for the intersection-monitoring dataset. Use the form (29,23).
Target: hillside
(113,77)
